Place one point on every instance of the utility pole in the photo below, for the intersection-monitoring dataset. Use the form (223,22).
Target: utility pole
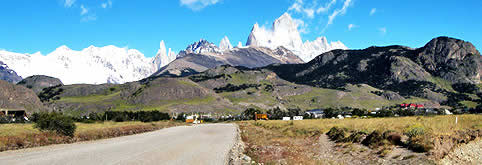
(255,116)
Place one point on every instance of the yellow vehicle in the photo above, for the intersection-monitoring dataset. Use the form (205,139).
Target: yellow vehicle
(262,116)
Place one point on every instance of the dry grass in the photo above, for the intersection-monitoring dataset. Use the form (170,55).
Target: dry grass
(292,141)
(272,147)
(16,136)
(437,125)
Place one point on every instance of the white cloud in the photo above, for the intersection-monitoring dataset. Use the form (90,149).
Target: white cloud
(325,8)
(351,26)
(337,12)
(69,3)
(196,5)
(310,13)
(373,11)
(301,26)
(383,30)
(297,6)
(106,4)
(83,10)
(90,17)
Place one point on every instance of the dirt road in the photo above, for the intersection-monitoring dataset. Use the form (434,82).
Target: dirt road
(201,144)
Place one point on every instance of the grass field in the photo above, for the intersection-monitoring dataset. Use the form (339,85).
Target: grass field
(294,140)
(15,136)
(437,125)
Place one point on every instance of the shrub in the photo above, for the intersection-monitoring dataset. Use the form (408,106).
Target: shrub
(419,138)
(356,137)
(50,93)
(232,88)
(414,130)
(373,139)
(394,138)
(56,122)
(420,144)
(336,134)
(120,118)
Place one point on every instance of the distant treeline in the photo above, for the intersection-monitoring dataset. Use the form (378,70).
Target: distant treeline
(278,114)
(233,88)
(120,116)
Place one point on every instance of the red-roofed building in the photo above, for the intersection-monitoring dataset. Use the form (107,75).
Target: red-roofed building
(411,105)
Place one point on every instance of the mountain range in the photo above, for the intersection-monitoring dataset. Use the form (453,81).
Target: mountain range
(204,55)
(111,64)
(445,73)
(284,32)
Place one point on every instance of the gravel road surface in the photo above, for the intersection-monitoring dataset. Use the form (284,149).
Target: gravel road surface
(199,144)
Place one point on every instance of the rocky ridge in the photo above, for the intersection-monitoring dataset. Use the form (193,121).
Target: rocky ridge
(8,74)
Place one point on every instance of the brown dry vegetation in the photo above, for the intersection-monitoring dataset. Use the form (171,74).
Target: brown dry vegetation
(440,135)
(17,136)
(273,147)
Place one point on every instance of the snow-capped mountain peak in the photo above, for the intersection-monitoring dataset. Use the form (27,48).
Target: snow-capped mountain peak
(163,57)
(63,48)
(285,33)
(92,65)
(225,44)
(201,47)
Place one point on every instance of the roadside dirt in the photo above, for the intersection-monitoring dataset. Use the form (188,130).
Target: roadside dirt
(470,153)
(354,153)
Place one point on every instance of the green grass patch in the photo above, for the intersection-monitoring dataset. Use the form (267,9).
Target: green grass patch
(469,104)
(442,83)
(88,99)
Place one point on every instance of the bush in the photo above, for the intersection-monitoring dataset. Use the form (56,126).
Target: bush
(414,130)
(374,139)
(56,122)
(356,137)
(336,134)
(419,139)
(233,88)
(120,118)
(420,143)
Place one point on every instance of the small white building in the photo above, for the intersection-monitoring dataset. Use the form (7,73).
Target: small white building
(297,117)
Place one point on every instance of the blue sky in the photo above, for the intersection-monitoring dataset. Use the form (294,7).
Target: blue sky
(28,26)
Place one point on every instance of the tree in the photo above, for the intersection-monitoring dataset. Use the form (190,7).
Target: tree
(294,112)
(181,117)
(276,113)
(359,112)
(331,112)
(249,113)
